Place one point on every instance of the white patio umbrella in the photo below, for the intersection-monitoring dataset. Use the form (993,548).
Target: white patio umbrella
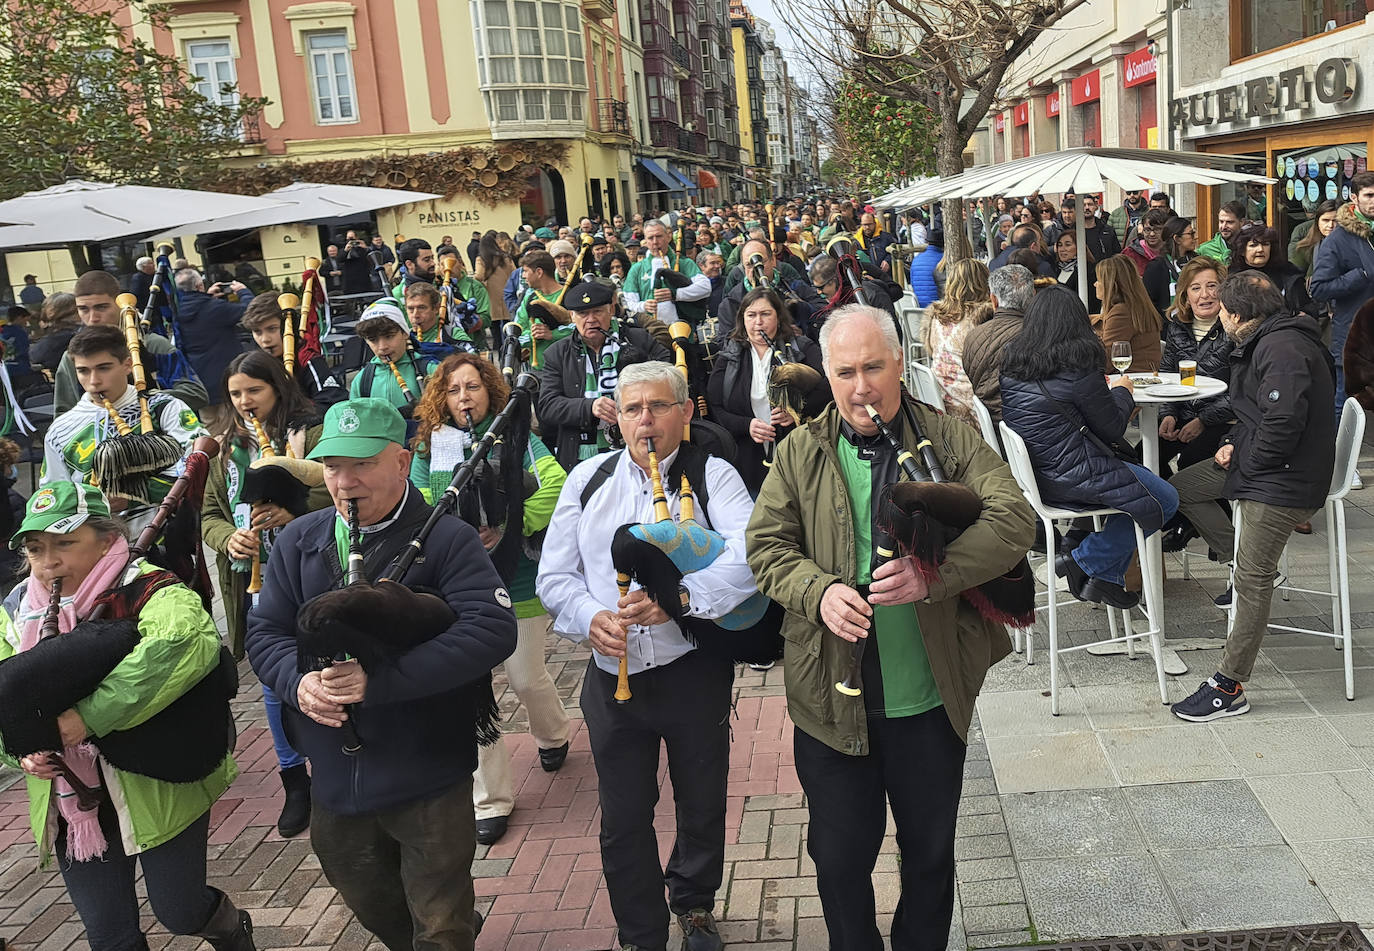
(302,202)
(897,196)
(1088,170)
(81,211)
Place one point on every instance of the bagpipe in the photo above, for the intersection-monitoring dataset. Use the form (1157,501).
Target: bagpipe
(495,496)
(345,623)
(121,466)
(790,383)
(658,554)
(920,516)
(280,479)
(692,311)
(454,308)
(553,313)
(186,740)
(169,368)
(305,319)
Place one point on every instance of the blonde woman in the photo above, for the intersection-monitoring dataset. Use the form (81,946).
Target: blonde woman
(967,303)
(1127,314)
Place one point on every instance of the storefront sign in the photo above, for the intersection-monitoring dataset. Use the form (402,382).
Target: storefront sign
(1052,105)
(1289,95)
(1021,114)
(1085,88)
(999,123)
(449,217)
(1139,67)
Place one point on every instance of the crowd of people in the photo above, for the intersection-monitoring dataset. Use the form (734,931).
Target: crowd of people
(664,437)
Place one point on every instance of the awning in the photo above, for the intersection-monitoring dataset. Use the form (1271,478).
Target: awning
(658,172)
(304,202)
(683,180)
(707,179)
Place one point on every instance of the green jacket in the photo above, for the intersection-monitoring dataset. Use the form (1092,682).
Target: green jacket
(1215,248)
(67,389)
(469,288)
(179,646)
(801,540)
(217,524)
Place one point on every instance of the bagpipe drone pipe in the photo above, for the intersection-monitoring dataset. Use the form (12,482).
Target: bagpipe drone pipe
(182,743)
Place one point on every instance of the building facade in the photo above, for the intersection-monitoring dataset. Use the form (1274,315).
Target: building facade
(749,93)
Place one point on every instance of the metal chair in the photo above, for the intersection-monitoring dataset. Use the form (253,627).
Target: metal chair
(910,318)
(1349,437)
(1018,457)
(926,386)
(986,426)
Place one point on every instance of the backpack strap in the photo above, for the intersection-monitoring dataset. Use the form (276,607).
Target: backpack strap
(599,477)
(695,462)
(368,374)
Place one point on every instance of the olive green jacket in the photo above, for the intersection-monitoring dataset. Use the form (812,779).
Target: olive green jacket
(801,540)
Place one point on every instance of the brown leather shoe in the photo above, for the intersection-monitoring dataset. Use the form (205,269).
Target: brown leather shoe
(1303,528)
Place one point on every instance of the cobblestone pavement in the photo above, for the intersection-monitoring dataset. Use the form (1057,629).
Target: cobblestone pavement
(1111,819)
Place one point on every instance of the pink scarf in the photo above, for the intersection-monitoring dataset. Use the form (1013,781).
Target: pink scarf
(85,840)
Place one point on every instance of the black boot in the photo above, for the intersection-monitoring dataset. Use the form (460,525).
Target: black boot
(295,812)
(228,929)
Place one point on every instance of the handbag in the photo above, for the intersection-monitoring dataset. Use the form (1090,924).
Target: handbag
(1124,451)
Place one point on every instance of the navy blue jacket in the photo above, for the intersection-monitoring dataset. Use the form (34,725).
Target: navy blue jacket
(923,283)
(209,335)
(415,722)
(1343,273)
(1072,471)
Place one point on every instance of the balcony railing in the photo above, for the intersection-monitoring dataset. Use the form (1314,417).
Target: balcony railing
(252,130)
(670,135)
(613,116)
(681,54)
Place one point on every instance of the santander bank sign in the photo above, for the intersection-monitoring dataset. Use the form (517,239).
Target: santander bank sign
(1139,67)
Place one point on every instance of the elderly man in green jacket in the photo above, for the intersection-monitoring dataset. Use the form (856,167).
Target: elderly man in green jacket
(810,545)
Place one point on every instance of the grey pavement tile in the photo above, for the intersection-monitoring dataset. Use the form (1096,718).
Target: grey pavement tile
(1060,761)
(1001,891)
(1201,815)
(1317,655)
(1271,747)
(1242,888)
(1027,712)
(1344,871)
(1091,896)
(1325,691)
(958,941)
(1071,822)
(1086,670)
(1169,754)
(1358,731)
(993,919)
(1128,706)
(1013,673)
(1319,806)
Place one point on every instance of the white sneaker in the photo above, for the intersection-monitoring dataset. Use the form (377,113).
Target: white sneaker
(1356,482)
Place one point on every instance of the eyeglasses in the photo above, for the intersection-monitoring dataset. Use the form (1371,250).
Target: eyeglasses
(822,285)
(657,409)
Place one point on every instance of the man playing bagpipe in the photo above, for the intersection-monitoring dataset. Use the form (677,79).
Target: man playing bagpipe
(96,442)
(95,306)
(469,309)
(680,694)
(838,542)
(398,370)
(430,328)
(391,732)
(542,318)
(664,277)
(264,319)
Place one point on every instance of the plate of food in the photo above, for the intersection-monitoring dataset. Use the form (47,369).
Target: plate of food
(1168,390)
(1146,380)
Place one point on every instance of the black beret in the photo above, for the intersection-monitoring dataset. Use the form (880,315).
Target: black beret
(588,294)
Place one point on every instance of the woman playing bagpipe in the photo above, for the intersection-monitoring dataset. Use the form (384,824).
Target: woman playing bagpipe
(520,488)
(244,511)
(129,768)
(766,380)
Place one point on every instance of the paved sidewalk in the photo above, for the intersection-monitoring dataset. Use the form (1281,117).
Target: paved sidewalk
(1111,819)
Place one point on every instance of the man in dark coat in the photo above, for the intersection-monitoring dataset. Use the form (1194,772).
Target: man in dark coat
(1343,271)
(1099,237)
(1276,467)
(208,322)
(578,374)
(1022,237)
(392,822)
(1012,288)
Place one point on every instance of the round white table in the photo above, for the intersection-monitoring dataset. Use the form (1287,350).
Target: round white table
(1152,574)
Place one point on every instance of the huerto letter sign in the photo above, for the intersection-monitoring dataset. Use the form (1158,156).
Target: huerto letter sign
(1293,91)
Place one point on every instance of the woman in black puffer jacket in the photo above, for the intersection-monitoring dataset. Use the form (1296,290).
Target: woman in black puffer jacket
(1192,430)
(1053,394)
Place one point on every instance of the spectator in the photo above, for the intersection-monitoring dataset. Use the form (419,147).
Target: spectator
(710,262)
(966,304)
(927,276)
(1024,236)
(1161,274)
(1127,314)
(357,268)
(1133,208)
(208,321)
(1258,246)
(1055,397)
(474,248)
(1002,235)
(379,245)
(1229,219)
(57,323)
(31,295)
(1066,267)
(1098,235)
(493,269)
(1011,289)
(332,269)
(1308,236)
(1192,430)
(1150,243)
(15,333)
(1277,468)
(142,281)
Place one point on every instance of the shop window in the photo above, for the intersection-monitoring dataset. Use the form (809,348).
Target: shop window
(1091,115)
(1267,24)
(1148,109)
(1309,176)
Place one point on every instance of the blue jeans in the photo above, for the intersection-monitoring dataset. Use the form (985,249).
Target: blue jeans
(286,755)
(1340,392)
(1107,553)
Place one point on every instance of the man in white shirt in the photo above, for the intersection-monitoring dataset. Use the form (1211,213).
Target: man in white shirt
(642,297)
(680,694)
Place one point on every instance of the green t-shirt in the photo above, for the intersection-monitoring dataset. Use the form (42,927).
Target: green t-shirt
(908,686)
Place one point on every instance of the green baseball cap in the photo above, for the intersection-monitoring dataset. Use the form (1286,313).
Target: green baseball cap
(61,508)
(359,429)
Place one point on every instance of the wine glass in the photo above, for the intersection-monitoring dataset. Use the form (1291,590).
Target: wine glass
(1121,356)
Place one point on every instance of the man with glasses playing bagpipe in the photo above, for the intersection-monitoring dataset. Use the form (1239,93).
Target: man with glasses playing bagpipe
(378,625)
(661,669)
(895,539)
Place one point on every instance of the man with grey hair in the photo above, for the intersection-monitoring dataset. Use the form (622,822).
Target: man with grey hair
(208,323)
(679,694)
(1012,288)
(642,294)
(899,742)
(142,280)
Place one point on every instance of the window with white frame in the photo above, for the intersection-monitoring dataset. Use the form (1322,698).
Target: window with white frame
(331,77)
(212,64)
(530,61)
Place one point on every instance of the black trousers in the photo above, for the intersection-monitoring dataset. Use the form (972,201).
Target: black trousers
(686,705)
(916,764)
